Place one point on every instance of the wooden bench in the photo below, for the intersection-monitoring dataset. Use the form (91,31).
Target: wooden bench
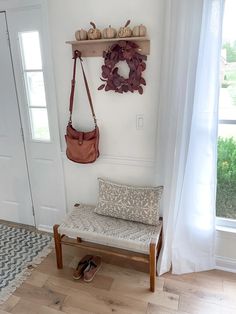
(86,229)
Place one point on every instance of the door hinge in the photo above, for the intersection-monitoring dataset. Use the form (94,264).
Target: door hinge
(8,38)
(22,134)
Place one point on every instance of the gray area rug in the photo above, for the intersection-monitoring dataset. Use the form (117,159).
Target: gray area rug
(21,251)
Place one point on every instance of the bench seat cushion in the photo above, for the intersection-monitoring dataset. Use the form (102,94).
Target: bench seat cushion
(84,223)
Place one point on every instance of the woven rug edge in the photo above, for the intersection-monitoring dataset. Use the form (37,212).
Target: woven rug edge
(20,278)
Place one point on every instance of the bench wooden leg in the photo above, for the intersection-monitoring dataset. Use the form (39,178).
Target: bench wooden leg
(57,240)
(152,265)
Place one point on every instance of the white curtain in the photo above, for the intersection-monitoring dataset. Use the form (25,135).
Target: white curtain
(187,133)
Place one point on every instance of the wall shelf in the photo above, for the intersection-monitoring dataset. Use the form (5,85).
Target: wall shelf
(95,48)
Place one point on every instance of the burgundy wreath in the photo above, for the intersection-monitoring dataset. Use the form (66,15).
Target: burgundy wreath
(123,51)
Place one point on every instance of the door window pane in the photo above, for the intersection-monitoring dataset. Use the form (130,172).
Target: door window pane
(34,85)
(31,51)
(35,89)
(39,122)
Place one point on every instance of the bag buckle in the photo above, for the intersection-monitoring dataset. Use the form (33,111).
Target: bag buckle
(80,138)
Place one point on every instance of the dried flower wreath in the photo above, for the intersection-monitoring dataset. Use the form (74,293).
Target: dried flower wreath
(123,51)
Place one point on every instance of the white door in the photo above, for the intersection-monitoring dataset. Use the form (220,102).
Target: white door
(15,196)
(30,46)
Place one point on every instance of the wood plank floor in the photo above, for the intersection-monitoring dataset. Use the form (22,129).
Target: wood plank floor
(120,290)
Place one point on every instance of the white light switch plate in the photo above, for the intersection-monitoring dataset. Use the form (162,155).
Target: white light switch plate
(139,121)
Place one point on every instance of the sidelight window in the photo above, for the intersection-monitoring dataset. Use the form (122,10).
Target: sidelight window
(34,85)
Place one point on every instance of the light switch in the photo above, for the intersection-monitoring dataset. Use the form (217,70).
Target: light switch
(139,121)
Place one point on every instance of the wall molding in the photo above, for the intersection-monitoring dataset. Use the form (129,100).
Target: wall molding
(127,160)
(121,160)
(226,263)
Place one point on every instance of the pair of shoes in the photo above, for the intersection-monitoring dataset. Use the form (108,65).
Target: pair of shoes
(93,266)
(83,263)
(88,266)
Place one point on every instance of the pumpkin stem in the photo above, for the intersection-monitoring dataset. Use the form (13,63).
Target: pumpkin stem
(127,23)
(93,25)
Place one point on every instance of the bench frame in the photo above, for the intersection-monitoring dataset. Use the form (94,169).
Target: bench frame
(151,258)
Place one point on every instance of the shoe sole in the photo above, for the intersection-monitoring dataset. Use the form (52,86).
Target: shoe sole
(89,280)
(77,278)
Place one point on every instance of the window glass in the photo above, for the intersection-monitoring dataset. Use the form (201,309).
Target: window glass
(31,50)
(35,89)
(226,164)
(39,121)
(34,85)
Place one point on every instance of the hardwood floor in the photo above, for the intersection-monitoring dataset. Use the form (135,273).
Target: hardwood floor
(120,290)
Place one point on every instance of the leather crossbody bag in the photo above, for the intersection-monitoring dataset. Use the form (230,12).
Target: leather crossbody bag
(82,147)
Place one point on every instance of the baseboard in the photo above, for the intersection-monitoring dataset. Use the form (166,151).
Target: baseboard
(226,264)
(45,228)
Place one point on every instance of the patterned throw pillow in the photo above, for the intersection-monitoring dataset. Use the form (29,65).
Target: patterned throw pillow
(129,202)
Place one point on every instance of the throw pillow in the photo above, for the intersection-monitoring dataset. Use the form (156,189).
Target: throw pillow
(129,202)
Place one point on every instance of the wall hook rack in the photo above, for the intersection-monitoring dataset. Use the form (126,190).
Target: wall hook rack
(95,48)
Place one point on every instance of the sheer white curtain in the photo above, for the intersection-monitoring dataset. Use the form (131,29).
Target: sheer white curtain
(187,133)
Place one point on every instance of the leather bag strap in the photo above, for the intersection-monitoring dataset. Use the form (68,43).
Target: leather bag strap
(77,54)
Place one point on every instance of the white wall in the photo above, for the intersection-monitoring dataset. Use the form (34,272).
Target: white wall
(225,249)
(127,154)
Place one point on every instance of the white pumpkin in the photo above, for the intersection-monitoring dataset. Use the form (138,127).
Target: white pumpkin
(81,34)
(94,33)
(139,31)
(125,31)
(109,32)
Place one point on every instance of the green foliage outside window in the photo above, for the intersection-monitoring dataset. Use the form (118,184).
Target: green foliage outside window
(226,178)
(230,51)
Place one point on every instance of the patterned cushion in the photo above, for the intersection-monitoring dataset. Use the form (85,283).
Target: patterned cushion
(84,223)
(129,202)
